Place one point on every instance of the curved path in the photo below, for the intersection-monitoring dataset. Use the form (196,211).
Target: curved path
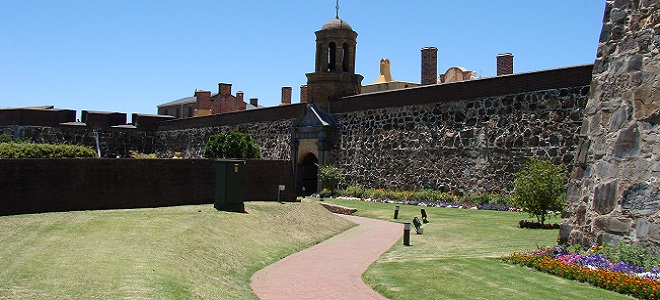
(331,269)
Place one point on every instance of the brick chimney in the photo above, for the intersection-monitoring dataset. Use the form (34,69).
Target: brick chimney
(254,102)
(224,89)
(504,64)
(303,93)
(286,95)
(429,65)
(239,96)
(203,99)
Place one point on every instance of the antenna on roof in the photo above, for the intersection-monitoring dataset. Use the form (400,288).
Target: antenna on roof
(337,10)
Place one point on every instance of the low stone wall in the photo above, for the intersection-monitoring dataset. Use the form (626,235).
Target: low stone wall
(338,209)
(463,146)
(50,185)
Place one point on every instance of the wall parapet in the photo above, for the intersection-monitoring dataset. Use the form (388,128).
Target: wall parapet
(471,89)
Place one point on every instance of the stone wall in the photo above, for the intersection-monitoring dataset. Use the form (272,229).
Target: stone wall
(614,191)
(459,146)
(273,138)
(112,142)
(271,127)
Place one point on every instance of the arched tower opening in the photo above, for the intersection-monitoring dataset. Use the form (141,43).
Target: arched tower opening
(332,57)
(345,57)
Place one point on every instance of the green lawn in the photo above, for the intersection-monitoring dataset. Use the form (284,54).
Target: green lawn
(185,252)
(457,257)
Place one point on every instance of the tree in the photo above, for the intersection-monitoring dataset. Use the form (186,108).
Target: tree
(540,187)
(330,176)
(231,145)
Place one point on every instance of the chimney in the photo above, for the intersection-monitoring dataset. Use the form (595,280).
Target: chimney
(303,93)
(239,96)
(254,102)
(286,95)
(504,64)
(224,89)
(429,65)
(203,99)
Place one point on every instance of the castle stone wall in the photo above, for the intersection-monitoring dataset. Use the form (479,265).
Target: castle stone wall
(270,127)
(614,191)
(459,146)
(272,137)
(112,142)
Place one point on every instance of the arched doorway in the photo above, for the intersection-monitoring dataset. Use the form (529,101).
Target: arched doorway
(308,173)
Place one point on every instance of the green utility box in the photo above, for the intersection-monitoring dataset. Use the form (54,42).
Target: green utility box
(229,185)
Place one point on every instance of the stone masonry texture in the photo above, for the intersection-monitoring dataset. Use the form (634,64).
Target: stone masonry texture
(462,147)
(613,193)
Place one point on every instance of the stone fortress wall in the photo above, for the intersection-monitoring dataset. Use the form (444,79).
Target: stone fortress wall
(270,127)
(614,193)
(460,147)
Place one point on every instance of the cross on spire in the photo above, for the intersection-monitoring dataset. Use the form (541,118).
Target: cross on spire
(337,10)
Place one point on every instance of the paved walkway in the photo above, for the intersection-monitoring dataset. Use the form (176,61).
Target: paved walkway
(331,269)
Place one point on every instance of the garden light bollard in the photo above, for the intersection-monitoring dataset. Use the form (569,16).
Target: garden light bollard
(424,216)
(396,212)
(406,234)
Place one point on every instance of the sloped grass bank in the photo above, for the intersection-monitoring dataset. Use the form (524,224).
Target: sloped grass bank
(457,257)
(185,252)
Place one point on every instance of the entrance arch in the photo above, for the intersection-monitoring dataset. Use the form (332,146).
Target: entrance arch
(308,174)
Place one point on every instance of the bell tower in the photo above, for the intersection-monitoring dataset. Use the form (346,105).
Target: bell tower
(334,72)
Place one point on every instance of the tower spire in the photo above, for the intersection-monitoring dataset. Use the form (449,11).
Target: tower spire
(337,10)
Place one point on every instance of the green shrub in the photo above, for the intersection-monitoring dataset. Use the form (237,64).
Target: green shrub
(23,150)
(5,138)
(330,177)
(231,145)
(540,188)
(639,256)
(140,155)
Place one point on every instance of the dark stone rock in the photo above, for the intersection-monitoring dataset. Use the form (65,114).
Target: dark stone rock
(613,225)
(564,233)
(605,197)
(618,16)
(635,63)
(641,199)
(609,239)
(583,151)
(642,228)
(617,119)
(605,33)
(627,143)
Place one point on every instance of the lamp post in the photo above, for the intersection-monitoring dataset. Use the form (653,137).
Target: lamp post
(406,234)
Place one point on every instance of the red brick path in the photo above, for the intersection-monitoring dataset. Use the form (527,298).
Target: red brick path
(331,269)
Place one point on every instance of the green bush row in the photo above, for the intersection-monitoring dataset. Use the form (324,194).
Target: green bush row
(5,138)
(426,195)
(23,150)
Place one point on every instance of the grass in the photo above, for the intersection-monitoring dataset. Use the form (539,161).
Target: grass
(185,252)
(457,257)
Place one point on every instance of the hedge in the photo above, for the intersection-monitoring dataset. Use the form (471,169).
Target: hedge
(24,150)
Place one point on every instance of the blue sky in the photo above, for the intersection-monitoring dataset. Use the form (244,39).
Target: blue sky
(129,56)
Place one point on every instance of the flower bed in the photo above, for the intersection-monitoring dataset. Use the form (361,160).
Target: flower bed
(595,269)
(434,204)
